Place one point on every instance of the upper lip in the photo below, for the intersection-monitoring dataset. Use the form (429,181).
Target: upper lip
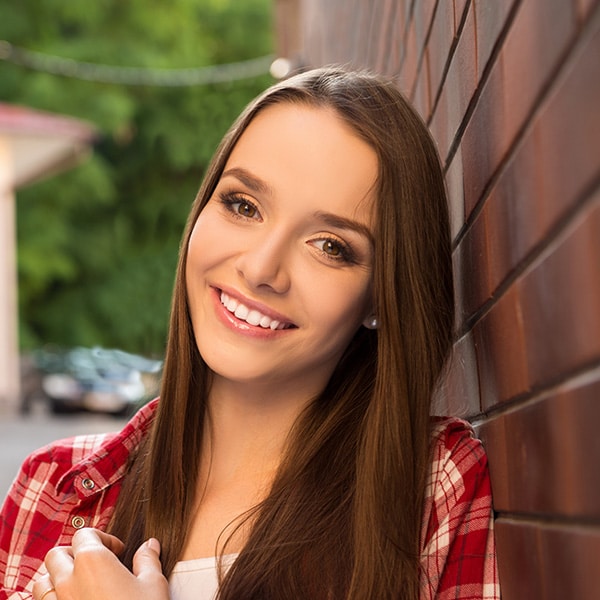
(254,305)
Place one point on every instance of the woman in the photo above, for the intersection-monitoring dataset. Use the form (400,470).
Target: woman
(291,454)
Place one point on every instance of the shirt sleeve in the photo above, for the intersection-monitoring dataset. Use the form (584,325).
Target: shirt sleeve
(68,484)
(35,515)
(459,556)
(20,556)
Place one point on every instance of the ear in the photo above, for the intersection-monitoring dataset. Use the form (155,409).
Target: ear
(370,322)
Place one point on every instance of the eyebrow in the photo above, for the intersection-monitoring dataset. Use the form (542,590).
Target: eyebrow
(334,220)
(258,185)
(248,179)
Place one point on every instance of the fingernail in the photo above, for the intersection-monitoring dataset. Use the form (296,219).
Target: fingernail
(154,544)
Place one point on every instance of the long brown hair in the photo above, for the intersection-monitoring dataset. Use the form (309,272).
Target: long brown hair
(343,517)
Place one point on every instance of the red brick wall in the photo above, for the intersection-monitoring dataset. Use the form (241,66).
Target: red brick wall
(511,92)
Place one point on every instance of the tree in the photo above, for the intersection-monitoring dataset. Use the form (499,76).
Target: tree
(97,246)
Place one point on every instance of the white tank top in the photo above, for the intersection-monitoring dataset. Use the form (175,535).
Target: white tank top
(197,579)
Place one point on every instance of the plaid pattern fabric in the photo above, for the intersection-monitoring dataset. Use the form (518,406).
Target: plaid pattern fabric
(67,485)
(75,483)
(459,556)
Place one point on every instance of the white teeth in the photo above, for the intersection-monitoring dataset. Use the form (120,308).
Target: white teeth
(241,312)
(252,317)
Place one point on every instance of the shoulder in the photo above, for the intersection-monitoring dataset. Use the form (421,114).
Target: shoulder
(57,460)
(78,476)
(455,449)
(457,541)
(458,479)
(63,454)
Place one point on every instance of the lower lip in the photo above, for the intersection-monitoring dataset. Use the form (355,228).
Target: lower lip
(241,327)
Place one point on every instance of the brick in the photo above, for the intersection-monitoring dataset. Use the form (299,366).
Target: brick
(584,8)
(510,219)
(408,70)
(490,18)
(539,36)
(440,42)
(404,13)
(560,299)
(473,254)
(367,34)
(422,15)
(456,194)
(460,6)
(549,170)
(541,561)
(439,125)
(355,43)
(396,53)
(458,392)
(540,330)
(385,40)
(541,454)
(533,46)
(421,95)
(569,129)
(501,345)
(515,206)
(484,145)
(458,89)
(494,437)
(459,268)
(465,62)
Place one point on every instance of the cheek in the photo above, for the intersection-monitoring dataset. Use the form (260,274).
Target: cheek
(343,305)
(205,245)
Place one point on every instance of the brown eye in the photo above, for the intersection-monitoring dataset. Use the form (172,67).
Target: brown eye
(334,250)
(246,210)
(331,248)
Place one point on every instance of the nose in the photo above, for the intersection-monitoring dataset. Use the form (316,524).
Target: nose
(263,264)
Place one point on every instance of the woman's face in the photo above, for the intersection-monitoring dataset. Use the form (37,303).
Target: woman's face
(280,259)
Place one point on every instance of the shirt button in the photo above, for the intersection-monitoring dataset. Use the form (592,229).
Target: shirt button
(88,484)
(78,522)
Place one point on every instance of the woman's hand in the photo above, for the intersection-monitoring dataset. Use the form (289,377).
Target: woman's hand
(90,570)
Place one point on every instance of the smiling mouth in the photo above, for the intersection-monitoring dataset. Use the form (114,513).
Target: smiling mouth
(251,316)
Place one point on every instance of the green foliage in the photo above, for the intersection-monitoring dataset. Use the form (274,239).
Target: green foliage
(97,246)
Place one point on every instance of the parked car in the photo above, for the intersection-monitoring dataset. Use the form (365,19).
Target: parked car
(97,379)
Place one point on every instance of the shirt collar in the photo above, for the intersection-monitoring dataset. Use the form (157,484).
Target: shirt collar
(108,462)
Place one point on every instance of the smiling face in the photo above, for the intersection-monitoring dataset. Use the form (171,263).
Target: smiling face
(279,262)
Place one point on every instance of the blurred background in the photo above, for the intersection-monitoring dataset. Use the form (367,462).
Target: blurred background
(109,114)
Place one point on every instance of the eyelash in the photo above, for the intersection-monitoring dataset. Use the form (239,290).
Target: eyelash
(346,254)
(230,199)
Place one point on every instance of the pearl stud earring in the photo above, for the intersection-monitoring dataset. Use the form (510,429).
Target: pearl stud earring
(371,322)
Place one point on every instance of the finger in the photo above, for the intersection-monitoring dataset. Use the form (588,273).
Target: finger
(147,558)
(42,586)
(146,562)
(45,595)
(59,562)
(88,538)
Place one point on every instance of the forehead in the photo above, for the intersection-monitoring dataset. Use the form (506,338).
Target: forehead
(309,154)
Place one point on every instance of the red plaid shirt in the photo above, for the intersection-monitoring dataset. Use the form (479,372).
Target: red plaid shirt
(74,483)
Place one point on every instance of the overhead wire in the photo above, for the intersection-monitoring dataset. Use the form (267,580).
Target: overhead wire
(140,76)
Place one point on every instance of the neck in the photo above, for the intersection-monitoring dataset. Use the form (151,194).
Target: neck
(247,429)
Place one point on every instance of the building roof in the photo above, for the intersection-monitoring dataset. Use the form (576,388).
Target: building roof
(42,143)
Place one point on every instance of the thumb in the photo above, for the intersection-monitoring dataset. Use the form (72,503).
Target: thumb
(146,560)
